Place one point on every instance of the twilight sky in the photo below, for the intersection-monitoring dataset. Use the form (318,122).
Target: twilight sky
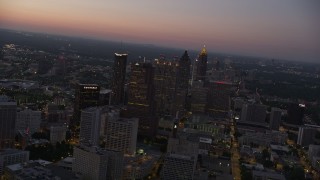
(288,29)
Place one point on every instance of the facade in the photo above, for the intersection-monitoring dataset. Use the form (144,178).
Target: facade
(180,160)
(184,74)
(86,95)
(253,113)
(275,118)
(264,139)
(57,134)
(94,163)
(201,65)
(198,97)
(183,78)
(165,80)
(12,156)
(8,113)
(90,162)
(119,74)
(90,126)
(141,98)
(306,136)
(219,102)
(121,135)
(28,121)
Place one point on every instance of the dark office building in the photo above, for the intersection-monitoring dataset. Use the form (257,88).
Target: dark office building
(165,86)
(295,114)
(183,77)
(218,98)
(275,119)
(201,65)
(119,74)
(8,113)
(141,98)
(86,95)
(184,71)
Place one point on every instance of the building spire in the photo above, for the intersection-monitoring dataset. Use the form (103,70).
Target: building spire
(204,50)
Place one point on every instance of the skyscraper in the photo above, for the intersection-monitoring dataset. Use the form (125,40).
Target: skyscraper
(218,102)
(119,74)
(275,119)
(86,95)
(90,162)
(141,98)
(198,97)
(121,135)
(182,85)
(183,76)
(165,86)
(90,126)
(201,65)
(8,113)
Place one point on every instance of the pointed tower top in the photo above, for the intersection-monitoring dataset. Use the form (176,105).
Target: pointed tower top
(185,56)
(204,50)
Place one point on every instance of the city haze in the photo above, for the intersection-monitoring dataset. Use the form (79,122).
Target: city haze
(273,29)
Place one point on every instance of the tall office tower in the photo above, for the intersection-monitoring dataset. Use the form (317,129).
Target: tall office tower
(90,126)
(275,118)
(198,97)
(183,77)
(90,162)
(165,80)
(28,121)
(86,95)
(201,65)
(141,98)
(121,135)
(296,114)
(180,160)
(119,74)
(8,113)
(253,113)
(12,156)
(218,102)
(306,136)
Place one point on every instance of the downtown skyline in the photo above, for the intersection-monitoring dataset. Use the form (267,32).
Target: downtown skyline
(273,29)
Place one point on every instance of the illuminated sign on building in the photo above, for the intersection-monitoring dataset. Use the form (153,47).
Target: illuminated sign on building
(90,87)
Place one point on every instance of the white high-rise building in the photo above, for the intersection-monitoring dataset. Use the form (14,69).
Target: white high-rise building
(121,134)
(28,121)
(8,113)
(90,125)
